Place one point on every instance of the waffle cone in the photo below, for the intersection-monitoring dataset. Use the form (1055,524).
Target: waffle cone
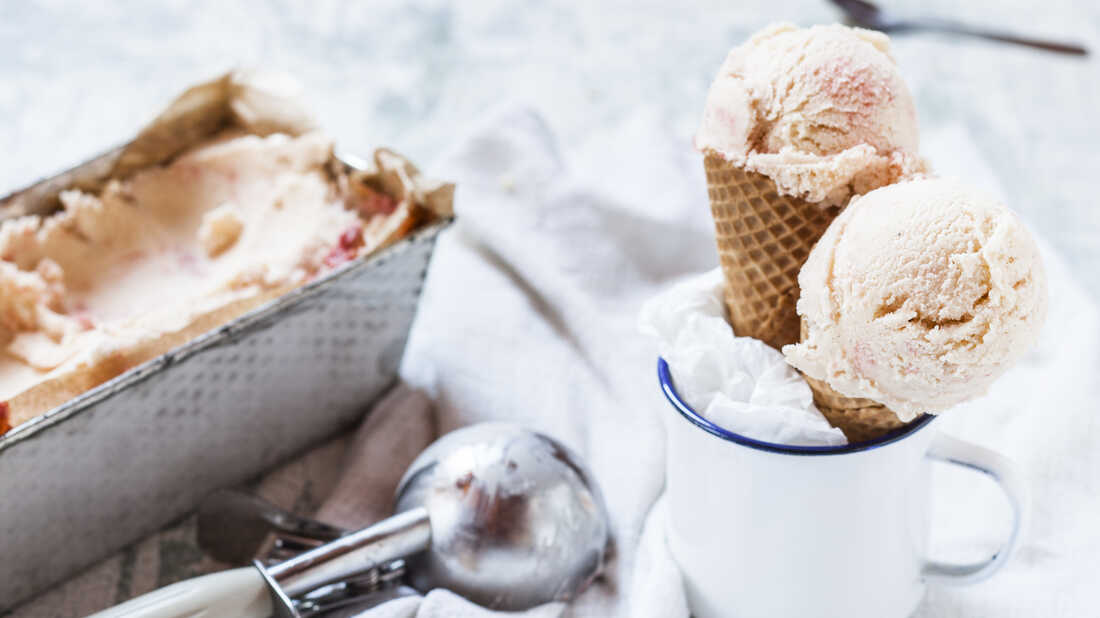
(859,419)
(763,239)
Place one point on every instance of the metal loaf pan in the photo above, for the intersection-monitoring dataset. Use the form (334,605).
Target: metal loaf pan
(126,458)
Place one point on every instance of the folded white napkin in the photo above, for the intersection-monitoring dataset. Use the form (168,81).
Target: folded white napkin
(739,383)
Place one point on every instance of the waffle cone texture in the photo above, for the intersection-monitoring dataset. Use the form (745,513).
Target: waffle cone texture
(859,419)
(763,240)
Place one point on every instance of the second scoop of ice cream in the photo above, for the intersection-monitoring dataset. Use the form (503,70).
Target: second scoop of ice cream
(918,296)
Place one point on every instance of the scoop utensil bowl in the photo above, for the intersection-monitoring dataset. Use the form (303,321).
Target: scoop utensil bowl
(504,516)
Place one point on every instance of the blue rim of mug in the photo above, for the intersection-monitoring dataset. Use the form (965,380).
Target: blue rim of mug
(665,377)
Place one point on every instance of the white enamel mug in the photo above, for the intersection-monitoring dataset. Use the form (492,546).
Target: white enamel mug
(764,530)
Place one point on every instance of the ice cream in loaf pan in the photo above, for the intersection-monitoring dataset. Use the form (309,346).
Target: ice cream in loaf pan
(229,199)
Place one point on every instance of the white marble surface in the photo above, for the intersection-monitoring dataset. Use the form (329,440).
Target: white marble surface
(79,77)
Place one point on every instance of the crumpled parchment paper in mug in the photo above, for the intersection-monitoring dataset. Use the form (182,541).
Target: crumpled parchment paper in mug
(738,383)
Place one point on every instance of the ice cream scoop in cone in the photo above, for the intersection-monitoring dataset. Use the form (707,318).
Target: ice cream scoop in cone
(918,296)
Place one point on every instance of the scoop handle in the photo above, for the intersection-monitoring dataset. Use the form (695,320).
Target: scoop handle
(240,592)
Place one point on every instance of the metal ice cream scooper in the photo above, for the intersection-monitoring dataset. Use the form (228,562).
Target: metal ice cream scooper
(504,516)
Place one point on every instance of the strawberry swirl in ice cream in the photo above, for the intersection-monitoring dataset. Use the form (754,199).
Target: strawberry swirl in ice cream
(236,216)
(822,111)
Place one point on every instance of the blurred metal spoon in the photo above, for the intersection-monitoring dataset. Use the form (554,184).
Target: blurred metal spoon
(232,526)
(868,15)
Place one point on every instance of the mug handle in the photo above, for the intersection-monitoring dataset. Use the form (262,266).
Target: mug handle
(954,451)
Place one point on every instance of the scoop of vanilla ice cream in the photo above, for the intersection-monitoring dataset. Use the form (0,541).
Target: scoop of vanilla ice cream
(822,111)
(918,296)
